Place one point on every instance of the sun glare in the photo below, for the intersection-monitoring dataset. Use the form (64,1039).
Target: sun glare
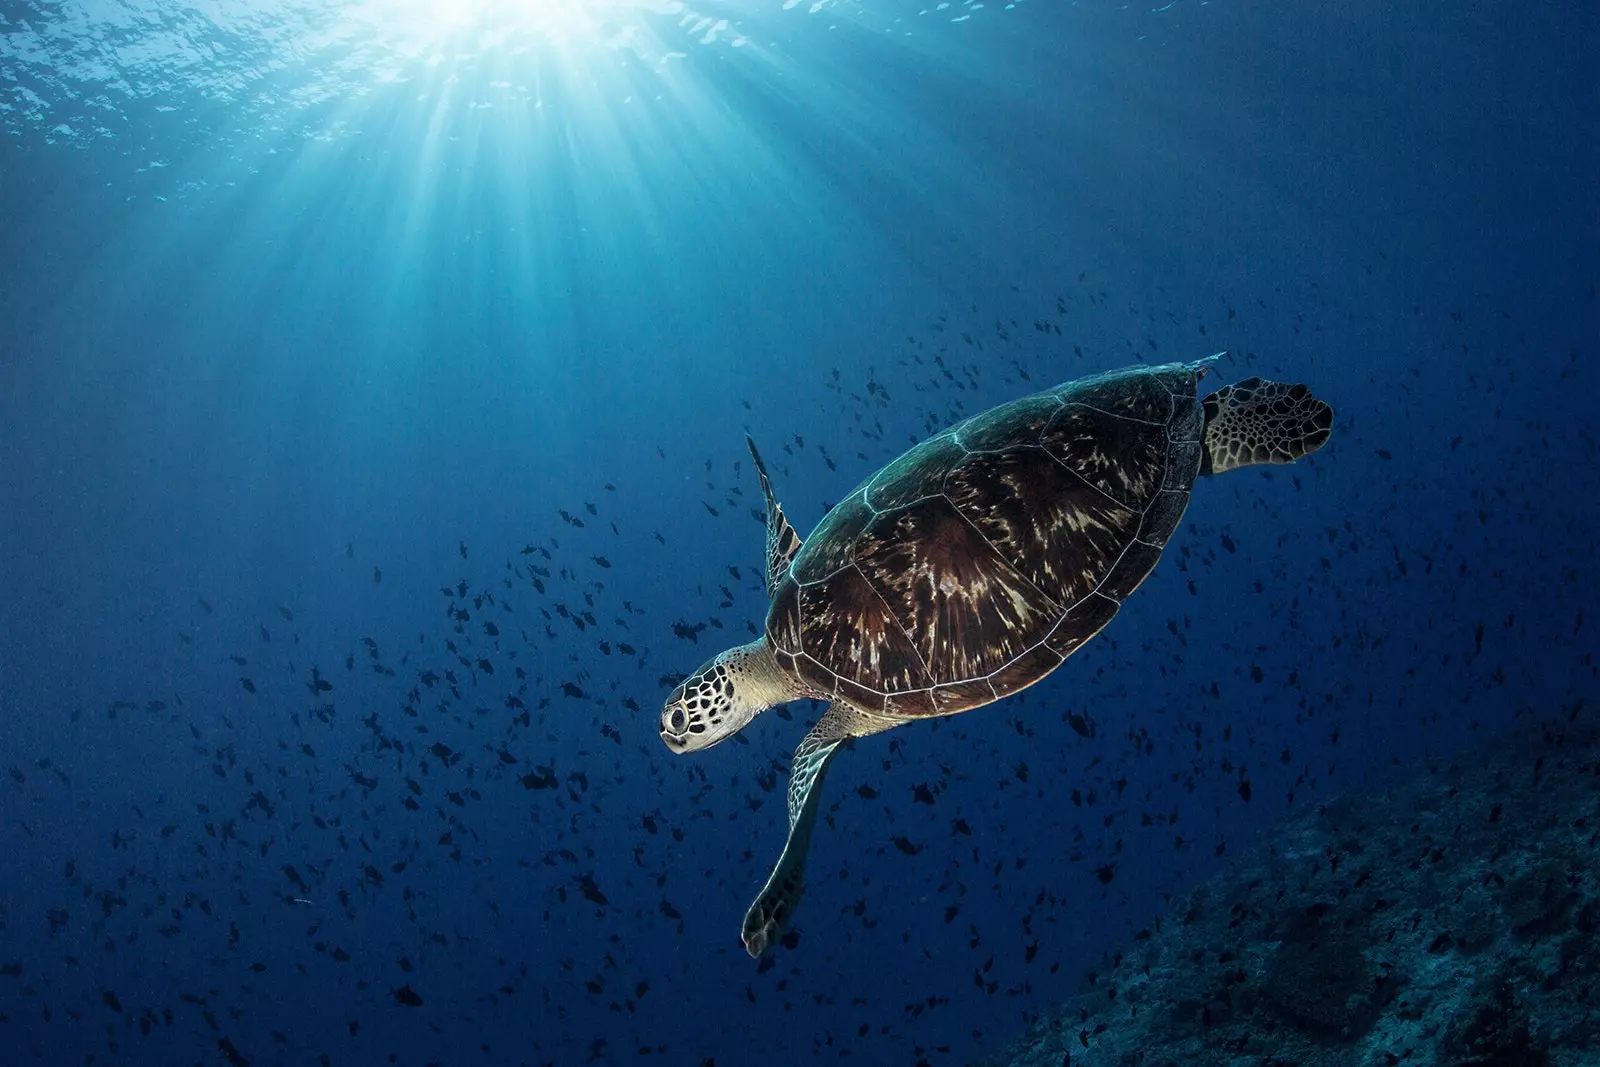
(482,25)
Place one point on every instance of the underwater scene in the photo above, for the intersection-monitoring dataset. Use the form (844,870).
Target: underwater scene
(761,532)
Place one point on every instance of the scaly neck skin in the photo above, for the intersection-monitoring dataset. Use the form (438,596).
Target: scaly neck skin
(762,683)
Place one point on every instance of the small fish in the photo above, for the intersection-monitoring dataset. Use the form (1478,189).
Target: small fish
(231,1053)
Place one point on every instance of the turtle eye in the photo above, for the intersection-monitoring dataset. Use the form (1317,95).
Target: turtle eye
(678,719)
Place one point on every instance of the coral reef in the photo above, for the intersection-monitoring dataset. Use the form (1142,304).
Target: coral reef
(1447,916)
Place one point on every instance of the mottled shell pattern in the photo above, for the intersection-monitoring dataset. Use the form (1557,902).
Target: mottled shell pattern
(971,566)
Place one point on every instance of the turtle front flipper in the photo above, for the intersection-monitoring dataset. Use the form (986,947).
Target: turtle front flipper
(1257,421)
(782,541)
(772,909)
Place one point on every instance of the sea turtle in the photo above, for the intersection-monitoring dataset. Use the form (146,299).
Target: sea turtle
(971,566)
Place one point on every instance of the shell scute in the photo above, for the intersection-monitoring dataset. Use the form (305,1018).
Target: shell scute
(917,704)
(831,545)
(917,474)
(1124,459)
(849,628)
(1183,464)
(784,625)
(1188,419)
(860,695)
(823,681)
(1026,669)
(1163,516)
(966,609)
(962,696)
(1144,395)
(1009,424)
(1081,622)
(1058,531)
(1137,561)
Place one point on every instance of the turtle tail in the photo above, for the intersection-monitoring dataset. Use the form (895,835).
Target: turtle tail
(1257,421)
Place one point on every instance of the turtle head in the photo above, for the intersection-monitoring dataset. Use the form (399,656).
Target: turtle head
(720,699)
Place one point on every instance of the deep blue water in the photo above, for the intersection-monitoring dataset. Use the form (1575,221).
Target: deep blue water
(321,325)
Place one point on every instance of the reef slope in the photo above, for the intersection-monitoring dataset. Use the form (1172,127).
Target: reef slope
(1443,914)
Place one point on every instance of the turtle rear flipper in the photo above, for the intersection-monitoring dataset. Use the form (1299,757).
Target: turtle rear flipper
(1257,421)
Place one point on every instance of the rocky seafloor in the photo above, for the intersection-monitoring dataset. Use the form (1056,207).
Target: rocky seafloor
(1443,914)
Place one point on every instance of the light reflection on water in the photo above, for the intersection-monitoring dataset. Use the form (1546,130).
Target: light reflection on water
(81,70)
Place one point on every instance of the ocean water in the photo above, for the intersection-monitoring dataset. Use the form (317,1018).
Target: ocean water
(373,385)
